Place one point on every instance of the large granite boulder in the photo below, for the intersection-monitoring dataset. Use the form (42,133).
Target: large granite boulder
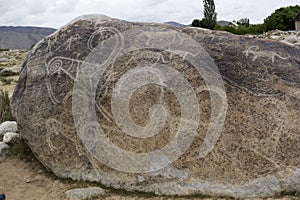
(155,108)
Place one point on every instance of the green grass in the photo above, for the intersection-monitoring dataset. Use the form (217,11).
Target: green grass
(5,110)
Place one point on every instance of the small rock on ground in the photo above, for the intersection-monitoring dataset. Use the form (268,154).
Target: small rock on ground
(8,126)
(11,71)
(4,150)
(84,193)
(11,137)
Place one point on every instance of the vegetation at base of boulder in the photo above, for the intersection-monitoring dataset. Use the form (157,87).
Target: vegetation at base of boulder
(5,110)
(22,151)
(6,81)
(4,49)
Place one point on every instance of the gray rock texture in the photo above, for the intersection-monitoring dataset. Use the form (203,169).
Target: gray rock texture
(4,150)
(155,108)
(10,138)
(84,193)
(8,126)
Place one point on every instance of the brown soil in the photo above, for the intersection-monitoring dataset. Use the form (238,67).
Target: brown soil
(27,179)
(9,87)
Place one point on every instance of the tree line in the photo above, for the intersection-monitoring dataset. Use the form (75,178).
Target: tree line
(282,19)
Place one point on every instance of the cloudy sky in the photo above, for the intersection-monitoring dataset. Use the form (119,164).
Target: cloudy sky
(56,13)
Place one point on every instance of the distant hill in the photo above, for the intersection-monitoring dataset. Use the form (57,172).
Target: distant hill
(176,24)
(226,23)
(223,23)
(22,37)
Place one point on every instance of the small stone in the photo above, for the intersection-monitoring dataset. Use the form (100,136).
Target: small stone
(11,71)
(4,150)
(10,137)
(291,39)
(141,179)
(8,126)
(84,193)
(4,59)
(275,37)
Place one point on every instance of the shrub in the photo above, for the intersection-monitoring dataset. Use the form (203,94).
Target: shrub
(5,111)
(196,23)
(243,30)
(282,19)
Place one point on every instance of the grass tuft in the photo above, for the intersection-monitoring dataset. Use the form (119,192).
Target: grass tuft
(5,110)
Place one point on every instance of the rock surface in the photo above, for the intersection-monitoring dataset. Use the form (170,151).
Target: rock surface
(142,107)
(84,193)
(4,150)
(8,126)
(11,138)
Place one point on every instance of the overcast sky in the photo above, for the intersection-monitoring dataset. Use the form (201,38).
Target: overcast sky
(56,13)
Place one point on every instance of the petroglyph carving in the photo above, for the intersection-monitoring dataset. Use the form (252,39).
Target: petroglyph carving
(103,33)
(60,65)
(129,71)
(55,128)
(72,39)
(254,50)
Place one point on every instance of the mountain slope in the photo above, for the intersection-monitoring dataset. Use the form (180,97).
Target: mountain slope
(22,37)
(176,24)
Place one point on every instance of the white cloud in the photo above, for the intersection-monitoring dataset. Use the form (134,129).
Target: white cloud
(55,13)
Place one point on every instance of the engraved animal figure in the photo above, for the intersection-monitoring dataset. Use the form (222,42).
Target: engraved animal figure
(254,50)
(59,65)
(55,128)
(104,33)
(71,40)
(63,65)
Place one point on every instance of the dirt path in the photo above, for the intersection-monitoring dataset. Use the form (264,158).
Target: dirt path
(27,180)
(24,180)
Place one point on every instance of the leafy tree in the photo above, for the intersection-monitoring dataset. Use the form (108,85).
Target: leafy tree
(210,16)
(244,22)
(282,19)
(196,23)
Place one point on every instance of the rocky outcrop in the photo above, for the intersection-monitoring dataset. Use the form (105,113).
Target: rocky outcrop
(287,37)
(11,61)
(154,108)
